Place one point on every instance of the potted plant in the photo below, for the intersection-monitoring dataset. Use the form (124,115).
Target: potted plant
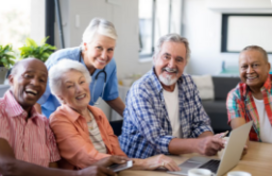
(6,60)
(32,49)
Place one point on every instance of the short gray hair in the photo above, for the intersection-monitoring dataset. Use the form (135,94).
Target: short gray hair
(172,38)
(58,70)
(257,48)
(98,26)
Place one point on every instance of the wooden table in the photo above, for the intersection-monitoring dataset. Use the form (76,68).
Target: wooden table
(257,161)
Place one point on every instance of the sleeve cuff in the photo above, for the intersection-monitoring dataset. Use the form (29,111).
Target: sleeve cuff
(164,144)
(112,97)
(201,130)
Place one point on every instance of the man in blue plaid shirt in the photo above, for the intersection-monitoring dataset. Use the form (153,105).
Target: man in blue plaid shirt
(163,113)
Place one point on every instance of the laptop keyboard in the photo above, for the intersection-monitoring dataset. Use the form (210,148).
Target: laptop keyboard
(211,165)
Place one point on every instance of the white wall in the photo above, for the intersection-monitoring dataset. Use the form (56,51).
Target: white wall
(202,27)
(37,16)
(124,16)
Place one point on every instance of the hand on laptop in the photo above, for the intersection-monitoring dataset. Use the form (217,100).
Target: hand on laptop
(210,145)
(225,139)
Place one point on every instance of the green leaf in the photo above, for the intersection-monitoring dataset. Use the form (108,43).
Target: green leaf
(6,55)
(44,40)
(31,49)
(31,42)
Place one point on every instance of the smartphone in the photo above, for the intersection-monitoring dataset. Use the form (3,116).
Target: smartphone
(120,167)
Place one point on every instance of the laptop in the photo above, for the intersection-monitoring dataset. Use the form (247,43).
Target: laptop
(230,158)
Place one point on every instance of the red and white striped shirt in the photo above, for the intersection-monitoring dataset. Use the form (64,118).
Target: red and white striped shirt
(32,140)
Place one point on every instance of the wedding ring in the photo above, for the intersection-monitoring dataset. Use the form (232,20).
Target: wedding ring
(163,164)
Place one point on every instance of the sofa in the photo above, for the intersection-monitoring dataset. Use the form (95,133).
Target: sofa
(216,108)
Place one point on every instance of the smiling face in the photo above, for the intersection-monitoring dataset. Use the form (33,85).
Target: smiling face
(170,63)
(253,69)
(28,82)
(99,52)
(75,90)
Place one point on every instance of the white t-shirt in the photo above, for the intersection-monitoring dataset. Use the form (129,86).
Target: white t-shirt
(265,126)
(172,106)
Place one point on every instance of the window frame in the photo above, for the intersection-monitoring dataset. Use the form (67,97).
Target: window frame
(224,30)
(50,21)
(149,55)
(52,12)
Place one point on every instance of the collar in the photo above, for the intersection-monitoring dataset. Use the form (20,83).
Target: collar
(74,116)
(155,81)
(14,109)
(266,86)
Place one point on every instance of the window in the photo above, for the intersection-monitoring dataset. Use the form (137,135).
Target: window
(241,30)
(157,18)
(15,22)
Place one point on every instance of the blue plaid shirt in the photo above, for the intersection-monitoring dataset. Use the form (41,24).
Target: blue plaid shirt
(146,129)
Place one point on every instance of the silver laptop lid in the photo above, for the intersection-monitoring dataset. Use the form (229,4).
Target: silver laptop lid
(234,148)
(230,158)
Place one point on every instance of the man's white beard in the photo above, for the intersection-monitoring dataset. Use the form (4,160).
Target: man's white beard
(168,80)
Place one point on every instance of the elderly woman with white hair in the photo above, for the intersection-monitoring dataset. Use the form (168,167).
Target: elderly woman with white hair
(82,132)
(96,53)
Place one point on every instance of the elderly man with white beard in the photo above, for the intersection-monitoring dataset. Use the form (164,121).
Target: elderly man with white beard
(163,113)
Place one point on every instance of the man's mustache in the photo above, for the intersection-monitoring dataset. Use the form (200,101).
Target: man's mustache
(171,70)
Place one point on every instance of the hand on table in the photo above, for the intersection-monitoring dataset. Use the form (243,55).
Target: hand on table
(160,161)
(245,150)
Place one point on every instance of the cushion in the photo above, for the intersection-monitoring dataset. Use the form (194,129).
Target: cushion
(205,86)
(223,85)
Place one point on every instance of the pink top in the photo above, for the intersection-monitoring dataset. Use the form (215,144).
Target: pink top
(72,136)
(32,140)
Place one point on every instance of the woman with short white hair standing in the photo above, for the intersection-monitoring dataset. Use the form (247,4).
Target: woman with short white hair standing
(83,133)
(96,53)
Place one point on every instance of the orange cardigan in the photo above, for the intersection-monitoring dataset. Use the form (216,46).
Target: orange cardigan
(72,137)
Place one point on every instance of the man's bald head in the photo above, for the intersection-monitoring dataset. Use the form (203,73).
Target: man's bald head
(256,48)
(24,62)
